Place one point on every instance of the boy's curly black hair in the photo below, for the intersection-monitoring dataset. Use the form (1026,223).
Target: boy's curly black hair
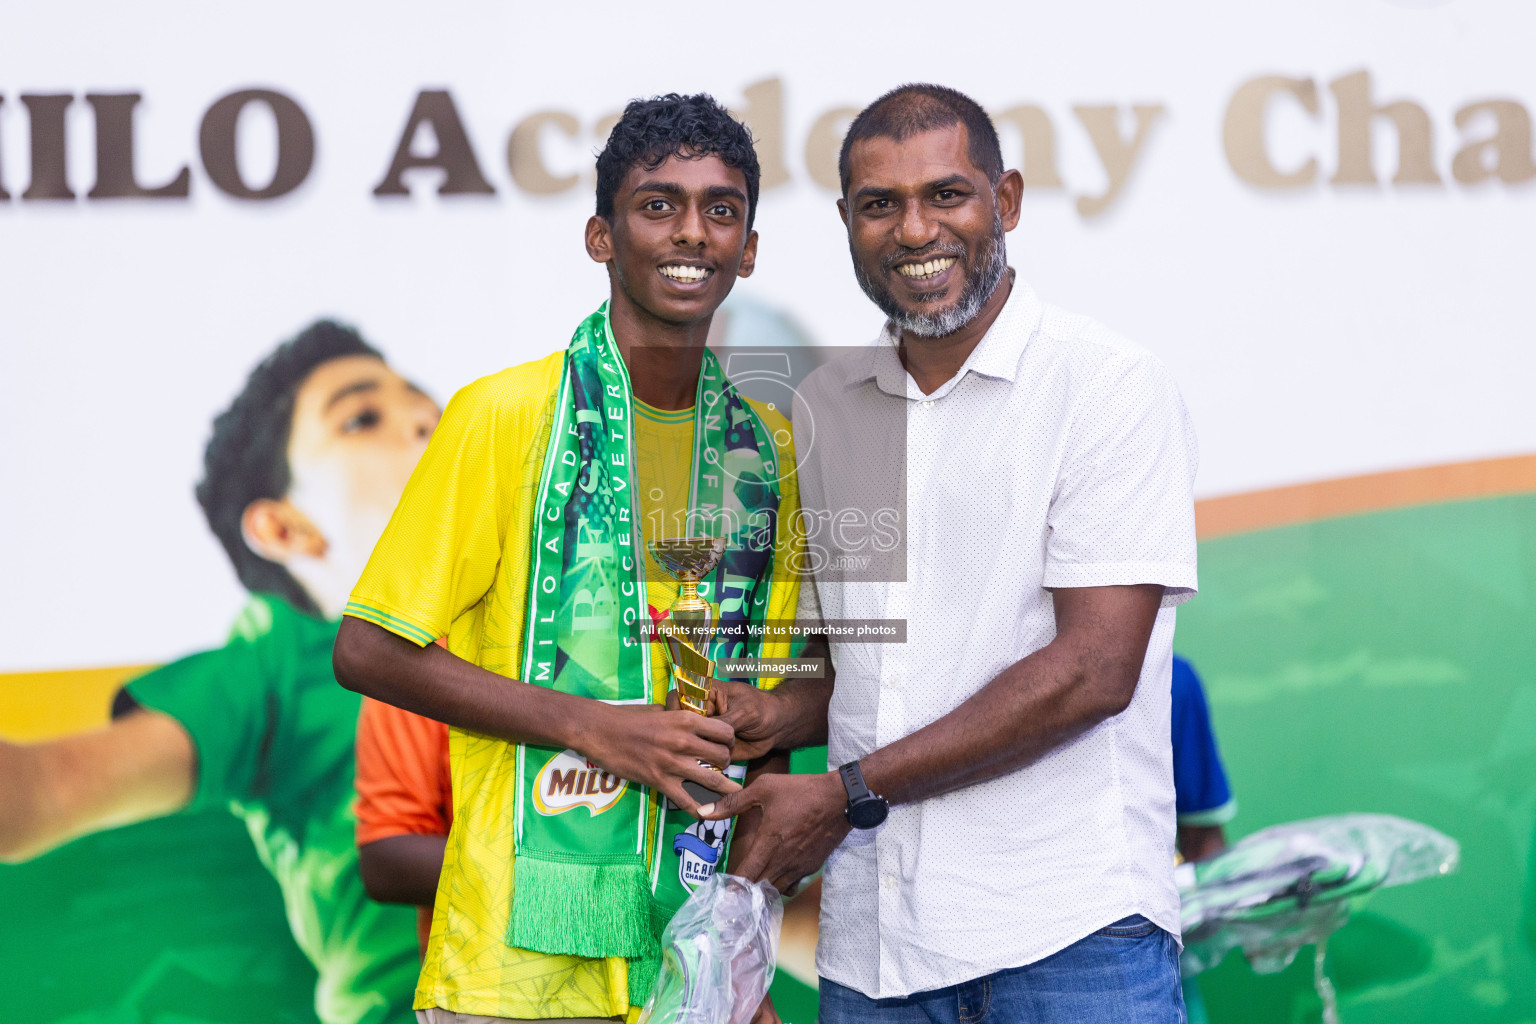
(650,131)
(247,456)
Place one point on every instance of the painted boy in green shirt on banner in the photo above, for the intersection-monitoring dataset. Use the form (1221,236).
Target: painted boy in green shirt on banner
(522,536)
(300,476)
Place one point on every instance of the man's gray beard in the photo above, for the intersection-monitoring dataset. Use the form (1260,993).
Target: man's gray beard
(978,290)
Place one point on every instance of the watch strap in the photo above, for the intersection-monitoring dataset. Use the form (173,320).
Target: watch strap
(853,782)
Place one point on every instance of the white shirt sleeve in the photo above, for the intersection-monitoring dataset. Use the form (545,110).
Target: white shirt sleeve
(1123,511)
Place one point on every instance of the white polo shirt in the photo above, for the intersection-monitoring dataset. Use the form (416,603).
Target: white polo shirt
(1060,455)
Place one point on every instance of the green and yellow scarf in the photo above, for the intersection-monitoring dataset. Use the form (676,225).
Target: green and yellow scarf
(591,879)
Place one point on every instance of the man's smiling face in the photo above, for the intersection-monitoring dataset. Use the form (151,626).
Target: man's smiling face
(679,237)
(925,229)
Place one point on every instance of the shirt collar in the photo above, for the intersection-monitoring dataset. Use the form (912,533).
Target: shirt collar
(996,356)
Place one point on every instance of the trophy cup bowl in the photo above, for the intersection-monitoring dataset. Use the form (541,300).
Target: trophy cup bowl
(688,627)
(688,558)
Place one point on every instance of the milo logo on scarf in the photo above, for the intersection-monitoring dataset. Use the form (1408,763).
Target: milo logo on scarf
(591,884)
(568,781)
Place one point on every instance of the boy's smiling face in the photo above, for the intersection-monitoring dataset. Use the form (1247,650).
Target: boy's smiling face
(358,430)
(678,239)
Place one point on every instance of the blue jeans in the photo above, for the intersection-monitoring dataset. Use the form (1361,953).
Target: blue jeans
(1127,973)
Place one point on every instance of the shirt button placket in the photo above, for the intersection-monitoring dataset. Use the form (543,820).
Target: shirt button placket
(889,893)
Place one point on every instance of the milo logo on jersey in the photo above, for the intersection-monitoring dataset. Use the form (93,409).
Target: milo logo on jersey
(568,781)
(701,847)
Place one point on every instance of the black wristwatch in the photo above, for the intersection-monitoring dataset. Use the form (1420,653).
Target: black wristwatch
(865,809)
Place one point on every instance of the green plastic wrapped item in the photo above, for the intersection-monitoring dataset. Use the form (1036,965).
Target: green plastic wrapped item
(1294,885)
(717,954)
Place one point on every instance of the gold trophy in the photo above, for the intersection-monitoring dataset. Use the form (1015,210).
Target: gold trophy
(688,627)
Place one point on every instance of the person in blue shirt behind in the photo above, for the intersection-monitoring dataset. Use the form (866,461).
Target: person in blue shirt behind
(1202,797)
(1203,800)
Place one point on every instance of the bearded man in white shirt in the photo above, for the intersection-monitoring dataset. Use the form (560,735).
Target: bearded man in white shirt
(1018,739)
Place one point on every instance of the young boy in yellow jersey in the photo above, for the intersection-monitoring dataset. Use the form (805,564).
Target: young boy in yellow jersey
(522,537)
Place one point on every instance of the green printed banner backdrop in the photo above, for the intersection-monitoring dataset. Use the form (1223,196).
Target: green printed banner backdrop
(1384,662)
(1323,234)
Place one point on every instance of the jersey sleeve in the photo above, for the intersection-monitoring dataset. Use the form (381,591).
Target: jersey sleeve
(1123,512)
(223,699)
(402,774)
(439,553)
(1202,795)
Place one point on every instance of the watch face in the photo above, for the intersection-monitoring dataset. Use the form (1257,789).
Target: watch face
(868,813)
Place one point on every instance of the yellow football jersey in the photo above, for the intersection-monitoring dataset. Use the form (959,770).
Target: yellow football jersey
(454,560)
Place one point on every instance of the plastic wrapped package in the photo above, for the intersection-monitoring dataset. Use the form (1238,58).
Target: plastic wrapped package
(1294,885)
(717,954)
(1289,885)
